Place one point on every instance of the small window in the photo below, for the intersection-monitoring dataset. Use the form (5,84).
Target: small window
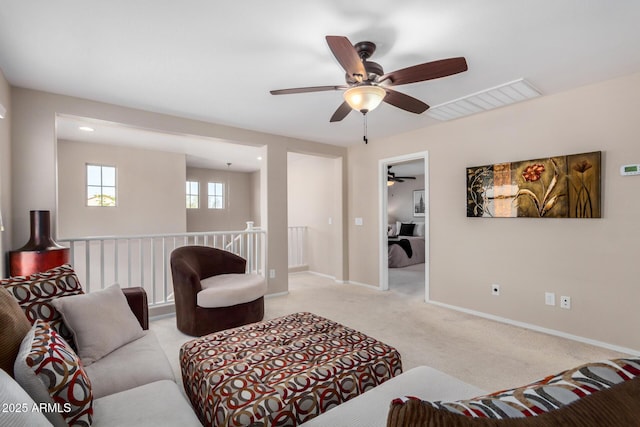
(101,185)
(193,194)
(216,195)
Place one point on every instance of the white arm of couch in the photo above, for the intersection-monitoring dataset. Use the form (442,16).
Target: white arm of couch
(370,409)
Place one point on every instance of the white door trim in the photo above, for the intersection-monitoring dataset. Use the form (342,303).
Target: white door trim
(383,217)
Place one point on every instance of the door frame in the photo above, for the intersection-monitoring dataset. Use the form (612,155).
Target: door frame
(383,198)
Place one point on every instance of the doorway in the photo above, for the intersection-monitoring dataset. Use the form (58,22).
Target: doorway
(390,234)
(314,215)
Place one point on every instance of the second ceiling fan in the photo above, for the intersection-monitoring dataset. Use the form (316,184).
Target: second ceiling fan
(366,83)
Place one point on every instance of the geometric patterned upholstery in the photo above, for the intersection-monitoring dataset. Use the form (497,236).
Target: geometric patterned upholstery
(35,292)
(283,371)
(547,394)
(50,371)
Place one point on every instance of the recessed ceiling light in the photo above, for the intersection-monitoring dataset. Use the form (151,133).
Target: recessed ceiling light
(259,158)
(86,128)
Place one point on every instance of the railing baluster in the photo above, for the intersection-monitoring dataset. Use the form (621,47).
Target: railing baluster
(101,263)
(153,270)
(116,261)
(141,261)
(87,256)
(72,252)
(165,283)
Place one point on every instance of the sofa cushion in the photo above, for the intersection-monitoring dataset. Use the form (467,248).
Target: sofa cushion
(613,407)
(49,370)
(225,290)
(101,322)
(14,325)
(140,362)
(160,403)
(35,293)
(17,406)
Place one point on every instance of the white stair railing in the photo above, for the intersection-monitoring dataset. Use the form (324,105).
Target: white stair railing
(143,260)
(297,240)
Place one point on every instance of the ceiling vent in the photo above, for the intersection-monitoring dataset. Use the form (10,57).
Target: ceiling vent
(496,97)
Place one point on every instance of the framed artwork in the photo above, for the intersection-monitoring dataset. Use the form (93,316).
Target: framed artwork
(418,203)
(555,187)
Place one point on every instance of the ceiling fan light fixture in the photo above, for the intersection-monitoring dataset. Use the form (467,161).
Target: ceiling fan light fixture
(364,98)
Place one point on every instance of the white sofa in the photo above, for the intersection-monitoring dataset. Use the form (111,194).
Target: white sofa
(130,380)
(133,386)
(370,408)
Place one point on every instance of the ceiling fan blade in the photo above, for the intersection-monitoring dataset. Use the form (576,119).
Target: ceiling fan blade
(347,56)
(406,177)
(426,71)
(341,112)
(306,89)
(405,102)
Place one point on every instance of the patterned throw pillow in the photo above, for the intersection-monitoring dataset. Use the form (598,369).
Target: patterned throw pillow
(542,396)
(49,370)
(35,292)
(614,407)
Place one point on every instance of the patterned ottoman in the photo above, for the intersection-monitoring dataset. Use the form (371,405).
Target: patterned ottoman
(281,372)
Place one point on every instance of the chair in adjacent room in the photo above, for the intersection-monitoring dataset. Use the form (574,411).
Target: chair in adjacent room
(212,292)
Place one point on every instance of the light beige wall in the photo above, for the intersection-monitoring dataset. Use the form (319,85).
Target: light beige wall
(150,191)
(34,159)
(593,261)
(5,173)
(400,200)
(239,201)
(314,194)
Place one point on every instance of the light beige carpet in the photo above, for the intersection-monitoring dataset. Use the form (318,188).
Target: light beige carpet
(487,354)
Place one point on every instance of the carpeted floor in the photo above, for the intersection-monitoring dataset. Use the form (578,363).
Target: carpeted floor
(482,352)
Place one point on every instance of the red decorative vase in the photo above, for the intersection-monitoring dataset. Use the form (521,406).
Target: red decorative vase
(41,252)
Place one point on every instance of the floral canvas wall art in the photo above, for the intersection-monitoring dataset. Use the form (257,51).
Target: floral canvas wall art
(555,187)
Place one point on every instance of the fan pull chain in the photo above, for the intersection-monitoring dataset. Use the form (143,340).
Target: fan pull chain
(366,140)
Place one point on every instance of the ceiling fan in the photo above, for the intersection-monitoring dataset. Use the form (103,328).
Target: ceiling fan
(392,178)
(367,85)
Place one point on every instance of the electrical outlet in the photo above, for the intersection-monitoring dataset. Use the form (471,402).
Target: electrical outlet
(272,274)
(495,289)
(550,298)
(565,302)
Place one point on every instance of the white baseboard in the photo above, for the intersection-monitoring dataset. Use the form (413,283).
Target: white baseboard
(366,285)
(315,273)
(277,294)
(161,311)
(537,328)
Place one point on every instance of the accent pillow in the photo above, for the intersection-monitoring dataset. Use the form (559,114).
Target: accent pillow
(49,370)
(13,327)
(34,294)
(406,229)
(101,322)
(548,393)
(613,407)
(18,406)
(542,396)
(419,229)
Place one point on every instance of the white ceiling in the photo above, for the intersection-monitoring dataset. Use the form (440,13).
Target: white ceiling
(217,61)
